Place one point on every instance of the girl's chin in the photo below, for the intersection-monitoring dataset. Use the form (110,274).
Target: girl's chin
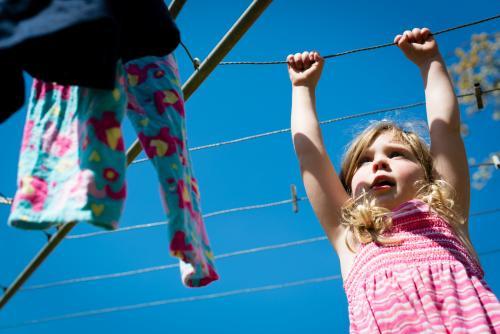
(388,202)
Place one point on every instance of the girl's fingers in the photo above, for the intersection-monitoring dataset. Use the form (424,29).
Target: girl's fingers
(426,33)
(312,56)
(298,61)
(317,57)
(417,34)
(403,40)
(305,60)
(408,36)
(290,61)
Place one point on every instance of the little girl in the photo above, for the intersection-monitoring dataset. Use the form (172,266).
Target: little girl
(397,213)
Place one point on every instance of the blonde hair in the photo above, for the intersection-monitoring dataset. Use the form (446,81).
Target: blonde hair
(368,222)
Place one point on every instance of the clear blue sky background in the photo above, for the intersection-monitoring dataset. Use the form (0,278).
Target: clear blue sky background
(233,102)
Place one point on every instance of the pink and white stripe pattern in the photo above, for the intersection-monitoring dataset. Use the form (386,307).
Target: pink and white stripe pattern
(427,284)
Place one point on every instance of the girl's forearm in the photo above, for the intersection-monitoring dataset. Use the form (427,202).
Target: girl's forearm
(306,131)
(441,102)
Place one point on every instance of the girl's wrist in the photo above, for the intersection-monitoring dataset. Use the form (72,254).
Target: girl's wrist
(427,63)
(305,88)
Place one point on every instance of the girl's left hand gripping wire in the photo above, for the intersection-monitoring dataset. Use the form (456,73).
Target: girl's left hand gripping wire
(418,45)
(305,68)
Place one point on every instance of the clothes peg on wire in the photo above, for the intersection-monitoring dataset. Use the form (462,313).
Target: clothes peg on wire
(295,203)
(496,161)
(196,63)
(479,95)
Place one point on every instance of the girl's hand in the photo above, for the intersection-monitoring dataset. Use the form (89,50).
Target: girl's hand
(305,68)
(418,45)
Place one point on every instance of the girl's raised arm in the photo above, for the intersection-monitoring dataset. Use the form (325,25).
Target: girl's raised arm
(443,115)
(322,184)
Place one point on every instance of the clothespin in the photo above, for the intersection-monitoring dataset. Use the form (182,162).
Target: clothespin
(479,95)
(196,63)
(295,204)
(496,161)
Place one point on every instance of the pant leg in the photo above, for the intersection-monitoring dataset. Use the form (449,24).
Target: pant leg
(65,172)
(156,110)
(102,150)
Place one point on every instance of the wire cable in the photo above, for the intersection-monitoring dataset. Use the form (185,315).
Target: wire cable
(339,54)
(218,257)
(174,301)
(485,212)
(168,266)
(194,61)
(188,299)
(333,120)
(208,215)
(222,212)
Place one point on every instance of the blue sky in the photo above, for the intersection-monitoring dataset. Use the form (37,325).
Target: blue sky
(238,101)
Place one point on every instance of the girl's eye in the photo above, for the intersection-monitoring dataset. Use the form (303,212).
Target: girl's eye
(363,161)
(395,154)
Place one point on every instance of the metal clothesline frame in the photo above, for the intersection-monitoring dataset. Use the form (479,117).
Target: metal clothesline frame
(239,28)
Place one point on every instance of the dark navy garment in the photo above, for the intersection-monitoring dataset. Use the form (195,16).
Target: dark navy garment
(77,42)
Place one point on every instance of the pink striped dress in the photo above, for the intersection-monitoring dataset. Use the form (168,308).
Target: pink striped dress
(427,284)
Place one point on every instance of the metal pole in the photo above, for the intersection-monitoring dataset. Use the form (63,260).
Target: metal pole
(225,45)
(36,262)
(175,7)
(53,242)
(213,59)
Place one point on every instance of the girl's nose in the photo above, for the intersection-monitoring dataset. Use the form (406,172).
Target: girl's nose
(380,163)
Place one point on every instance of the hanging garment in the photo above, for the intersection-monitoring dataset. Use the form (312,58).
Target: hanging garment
(70,133)
(156,109)
(72,163)
(77,42)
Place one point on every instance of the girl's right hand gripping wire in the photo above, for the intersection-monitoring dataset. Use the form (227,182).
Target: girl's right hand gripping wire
(305,68)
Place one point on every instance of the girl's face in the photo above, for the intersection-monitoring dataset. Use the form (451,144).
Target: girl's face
(387,170)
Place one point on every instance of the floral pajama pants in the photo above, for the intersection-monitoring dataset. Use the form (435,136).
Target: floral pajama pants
(72,163)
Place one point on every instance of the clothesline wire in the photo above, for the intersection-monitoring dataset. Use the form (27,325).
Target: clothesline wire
(339,54)
(208,215)
(175,265)
(8,201)
(175,301)
(333,120)
(186,299)
(168,266)
(194,61)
